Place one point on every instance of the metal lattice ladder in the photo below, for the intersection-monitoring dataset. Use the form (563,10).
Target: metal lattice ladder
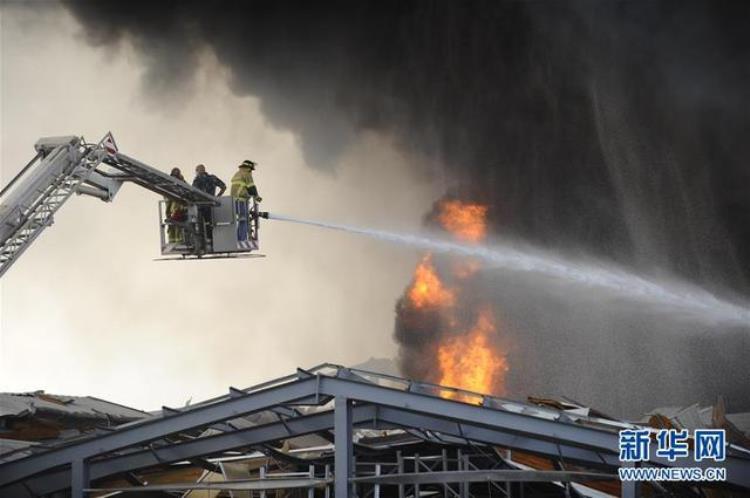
(40,214)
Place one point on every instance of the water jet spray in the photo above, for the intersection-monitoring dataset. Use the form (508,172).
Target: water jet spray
(691,301)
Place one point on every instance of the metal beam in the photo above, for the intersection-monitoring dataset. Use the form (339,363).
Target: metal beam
(474,432)
(456,476)
(149,430)
(573,435)
(201,447)
(344,447)
(157,181)
(631,489)
(79,478)
(269,483)
(585,437)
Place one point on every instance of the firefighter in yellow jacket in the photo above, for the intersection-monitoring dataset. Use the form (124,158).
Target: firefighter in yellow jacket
(243,188)
(176,212)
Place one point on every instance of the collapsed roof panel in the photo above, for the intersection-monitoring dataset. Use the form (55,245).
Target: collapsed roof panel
(38,416)
(41,403)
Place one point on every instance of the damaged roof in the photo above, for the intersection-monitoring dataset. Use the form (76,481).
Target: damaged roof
(39,403)
(27,419)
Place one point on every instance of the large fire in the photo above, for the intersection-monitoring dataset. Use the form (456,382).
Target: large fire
(465,220)
(427,290)
(468,361)
(467,356)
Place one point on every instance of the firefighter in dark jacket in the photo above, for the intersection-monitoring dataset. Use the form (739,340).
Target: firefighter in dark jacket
(207,183)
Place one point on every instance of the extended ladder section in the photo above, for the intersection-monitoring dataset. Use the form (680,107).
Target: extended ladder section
(67,165)
(157,181)
(29,202)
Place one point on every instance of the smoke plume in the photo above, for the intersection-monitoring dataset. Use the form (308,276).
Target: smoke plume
(609,129)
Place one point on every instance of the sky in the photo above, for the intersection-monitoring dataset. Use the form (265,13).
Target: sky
(87,310)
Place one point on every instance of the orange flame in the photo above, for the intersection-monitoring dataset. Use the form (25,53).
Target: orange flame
(468,361)
(465,220)
(427,290)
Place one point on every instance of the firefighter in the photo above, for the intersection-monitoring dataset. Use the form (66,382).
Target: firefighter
(243,189)
(207,183)
(176,211)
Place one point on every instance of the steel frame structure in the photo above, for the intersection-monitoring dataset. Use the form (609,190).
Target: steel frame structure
(342,401)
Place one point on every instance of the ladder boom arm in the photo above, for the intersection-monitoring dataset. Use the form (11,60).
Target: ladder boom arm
(67,165)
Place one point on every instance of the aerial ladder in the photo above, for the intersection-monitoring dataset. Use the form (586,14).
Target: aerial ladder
(68,165)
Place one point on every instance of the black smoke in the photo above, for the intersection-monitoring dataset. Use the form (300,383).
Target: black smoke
(614,129)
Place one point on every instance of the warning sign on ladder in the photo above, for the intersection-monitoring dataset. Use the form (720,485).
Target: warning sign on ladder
(108,142)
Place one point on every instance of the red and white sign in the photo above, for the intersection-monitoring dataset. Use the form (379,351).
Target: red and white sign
(108,142)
